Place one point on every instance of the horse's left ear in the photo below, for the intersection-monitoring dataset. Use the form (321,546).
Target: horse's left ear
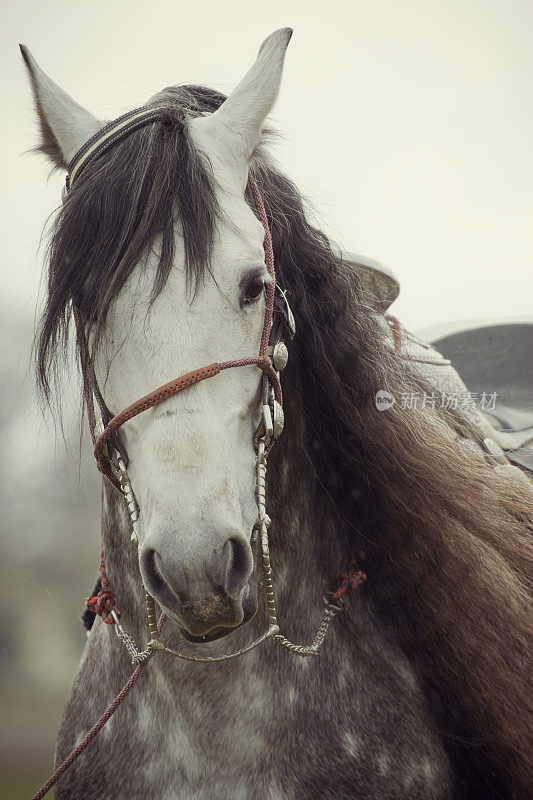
(65,125)
(234,130)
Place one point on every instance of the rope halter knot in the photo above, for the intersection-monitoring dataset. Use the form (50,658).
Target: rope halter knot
(103,602)
(350,579)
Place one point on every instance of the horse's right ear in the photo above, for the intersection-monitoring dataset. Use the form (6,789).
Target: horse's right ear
(65,125)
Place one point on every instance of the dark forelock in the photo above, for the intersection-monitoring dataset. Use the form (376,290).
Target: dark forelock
(133,193)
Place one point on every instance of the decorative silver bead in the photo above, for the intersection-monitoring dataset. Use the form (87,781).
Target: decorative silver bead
(279,420)
(280,356)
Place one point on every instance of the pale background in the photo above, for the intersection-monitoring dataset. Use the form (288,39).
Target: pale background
(408,125)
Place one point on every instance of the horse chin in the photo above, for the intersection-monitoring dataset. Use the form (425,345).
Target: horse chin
(249,608)
(212,636)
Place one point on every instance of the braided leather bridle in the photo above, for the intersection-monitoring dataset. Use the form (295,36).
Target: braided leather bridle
(271,359)
(111,459)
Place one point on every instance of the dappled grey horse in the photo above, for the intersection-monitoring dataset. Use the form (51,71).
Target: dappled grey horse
(162,254)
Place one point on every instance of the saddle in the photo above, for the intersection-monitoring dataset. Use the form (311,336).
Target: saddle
(498,358)
(380,281)
(491,361)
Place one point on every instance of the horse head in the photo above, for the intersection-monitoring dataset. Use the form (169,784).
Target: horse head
(191,458)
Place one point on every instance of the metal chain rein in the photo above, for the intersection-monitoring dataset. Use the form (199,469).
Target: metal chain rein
(332,605)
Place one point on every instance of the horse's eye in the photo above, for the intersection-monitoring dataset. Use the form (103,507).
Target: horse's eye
(254,289)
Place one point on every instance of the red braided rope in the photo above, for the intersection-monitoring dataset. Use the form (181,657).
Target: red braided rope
(350,579)
(269,261)
(264,363)
(97,727)
(104,602)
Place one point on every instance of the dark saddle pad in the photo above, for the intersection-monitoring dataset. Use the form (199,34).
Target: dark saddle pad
(499,359)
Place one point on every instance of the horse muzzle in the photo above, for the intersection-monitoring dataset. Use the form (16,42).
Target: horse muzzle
(207,593)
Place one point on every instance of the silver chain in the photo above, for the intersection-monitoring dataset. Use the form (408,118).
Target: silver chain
(263,522)
(311,650)
(261,528)
(136,657)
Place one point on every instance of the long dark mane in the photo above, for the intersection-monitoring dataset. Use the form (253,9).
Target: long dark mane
(116,211)
(447,537)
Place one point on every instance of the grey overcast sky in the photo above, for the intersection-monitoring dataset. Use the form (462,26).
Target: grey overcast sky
(408,124)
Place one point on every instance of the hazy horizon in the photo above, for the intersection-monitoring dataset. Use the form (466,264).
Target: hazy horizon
(408,130)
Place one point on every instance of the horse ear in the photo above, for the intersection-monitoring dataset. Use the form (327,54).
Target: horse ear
(65,125)
(236,126)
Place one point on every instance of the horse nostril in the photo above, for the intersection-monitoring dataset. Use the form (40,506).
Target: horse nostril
(154,576)
(239,564)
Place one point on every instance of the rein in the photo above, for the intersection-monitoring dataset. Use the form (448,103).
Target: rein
(111,459)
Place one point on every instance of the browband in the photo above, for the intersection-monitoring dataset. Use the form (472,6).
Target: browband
(107,136)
